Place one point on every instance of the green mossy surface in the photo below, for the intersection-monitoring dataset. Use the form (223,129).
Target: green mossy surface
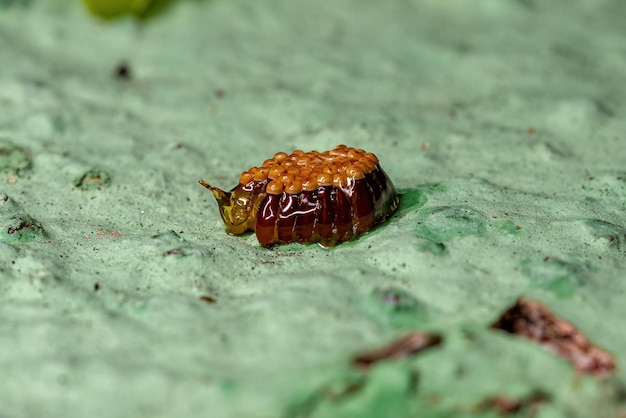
(499,121)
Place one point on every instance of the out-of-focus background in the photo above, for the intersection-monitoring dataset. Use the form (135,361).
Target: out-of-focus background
(501,122)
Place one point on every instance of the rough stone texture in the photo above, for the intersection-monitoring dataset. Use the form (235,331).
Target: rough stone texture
(500,121)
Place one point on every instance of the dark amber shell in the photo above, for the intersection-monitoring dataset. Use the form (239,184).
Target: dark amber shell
(281,210)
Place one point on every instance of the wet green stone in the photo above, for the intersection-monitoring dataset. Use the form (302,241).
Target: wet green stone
(560,277)
(435,248)
(14,159)
(444,223)
(508,227)
(396,307)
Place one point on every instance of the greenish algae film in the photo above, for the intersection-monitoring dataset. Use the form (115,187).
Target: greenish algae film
(128,298)
(563,278)
(445,223)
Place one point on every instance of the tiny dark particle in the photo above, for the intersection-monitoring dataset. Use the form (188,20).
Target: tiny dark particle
(219,93)
(96,287)
(123,72)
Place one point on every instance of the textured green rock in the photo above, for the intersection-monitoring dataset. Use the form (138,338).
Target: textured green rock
(487,115)
(15,225)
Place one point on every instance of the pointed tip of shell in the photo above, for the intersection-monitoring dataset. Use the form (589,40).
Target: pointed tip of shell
(220,195)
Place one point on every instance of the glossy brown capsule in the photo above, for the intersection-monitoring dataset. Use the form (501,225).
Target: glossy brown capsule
(326,197)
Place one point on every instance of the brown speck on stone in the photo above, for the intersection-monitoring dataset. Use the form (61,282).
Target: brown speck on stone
(506,405)
(208,299)
(411,343)
(530,319)
(174,251)
(96,287)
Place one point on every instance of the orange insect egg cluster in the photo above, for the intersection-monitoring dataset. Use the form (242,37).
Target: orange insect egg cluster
(300,171)
(326,197)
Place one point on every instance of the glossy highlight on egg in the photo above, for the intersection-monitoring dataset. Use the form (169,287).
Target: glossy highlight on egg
(326,197)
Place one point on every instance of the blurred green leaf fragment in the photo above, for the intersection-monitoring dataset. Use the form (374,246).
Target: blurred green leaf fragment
(114,9)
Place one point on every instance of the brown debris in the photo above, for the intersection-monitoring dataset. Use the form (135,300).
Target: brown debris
(505,405)
(24,223)
(532,320)
(411,343)
(208,299)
